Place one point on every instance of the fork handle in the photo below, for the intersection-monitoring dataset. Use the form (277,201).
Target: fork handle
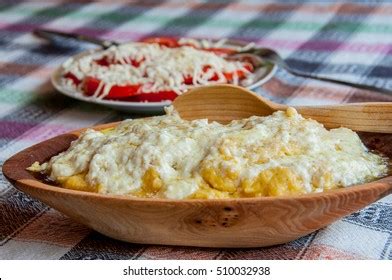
(337,81)
(52,35)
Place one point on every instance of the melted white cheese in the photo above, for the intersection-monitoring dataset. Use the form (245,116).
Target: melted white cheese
(178,149)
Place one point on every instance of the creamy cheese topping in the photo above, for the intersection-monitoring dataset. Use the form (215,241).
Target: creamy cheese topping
(169,157)
(161,68)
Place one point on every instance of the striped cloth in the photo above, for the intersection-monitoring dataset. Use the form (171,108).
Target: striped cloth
(350,41)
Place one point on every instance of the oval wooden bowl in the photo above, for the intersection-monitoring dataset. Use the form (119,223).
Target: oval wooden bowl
(244,222)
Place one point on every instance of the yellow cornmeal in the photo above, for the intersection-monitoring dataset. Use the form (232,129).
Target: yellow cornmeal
(168,157)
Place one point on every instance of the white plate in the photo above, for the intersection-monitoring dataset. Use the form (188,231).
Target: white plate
(264,74)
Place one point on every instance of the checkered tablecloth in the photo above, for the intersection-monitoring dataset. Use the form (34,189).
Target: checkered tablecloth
(348,41)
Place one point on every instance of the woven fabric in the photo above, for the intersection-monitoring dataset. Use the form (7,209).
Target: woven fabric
(351,41)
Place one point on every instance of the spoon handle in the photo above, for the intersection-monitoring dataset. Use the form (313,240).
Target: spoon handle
(53,36)
(336,81)
(367,117)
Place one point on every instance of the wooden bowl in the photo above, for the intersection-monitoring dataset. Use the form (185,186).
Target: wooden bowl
(243,222)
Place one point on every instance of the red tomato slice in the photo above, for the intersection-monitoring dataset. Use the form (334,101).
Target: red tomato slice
(128,93)
(228,75)
(163,41)
(136,63)
(71,76)
(188,80)
(116,92)
(240,73)
(104,61)
(153,96)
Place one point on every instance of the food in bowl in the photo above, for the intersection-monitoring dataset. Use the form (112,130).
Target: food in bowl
(155,70)
(169,157)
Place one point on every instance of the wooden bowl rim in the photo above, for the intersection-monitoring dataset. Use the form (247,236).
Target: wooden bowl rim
(385,182)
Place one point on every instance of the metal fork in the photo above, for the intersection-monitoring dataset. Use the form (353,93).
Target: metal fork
(271,56)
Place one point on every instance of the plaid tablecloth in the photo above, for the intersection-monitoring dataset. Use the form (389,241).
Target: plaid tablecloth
(348,41)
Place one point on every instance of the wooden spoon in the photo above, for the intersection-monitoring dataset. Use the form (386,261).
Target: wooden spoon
(223,103)
(236,222)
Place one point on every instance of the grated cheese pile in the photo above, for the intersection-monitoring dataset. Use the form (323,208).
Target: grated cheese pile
(161,68)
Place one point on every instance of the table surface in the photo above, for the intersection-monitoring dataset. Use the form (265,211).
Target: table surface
(347,41)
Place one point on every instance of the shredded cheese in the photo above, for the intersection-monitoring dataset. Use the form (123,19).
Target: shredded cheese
(160,68)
